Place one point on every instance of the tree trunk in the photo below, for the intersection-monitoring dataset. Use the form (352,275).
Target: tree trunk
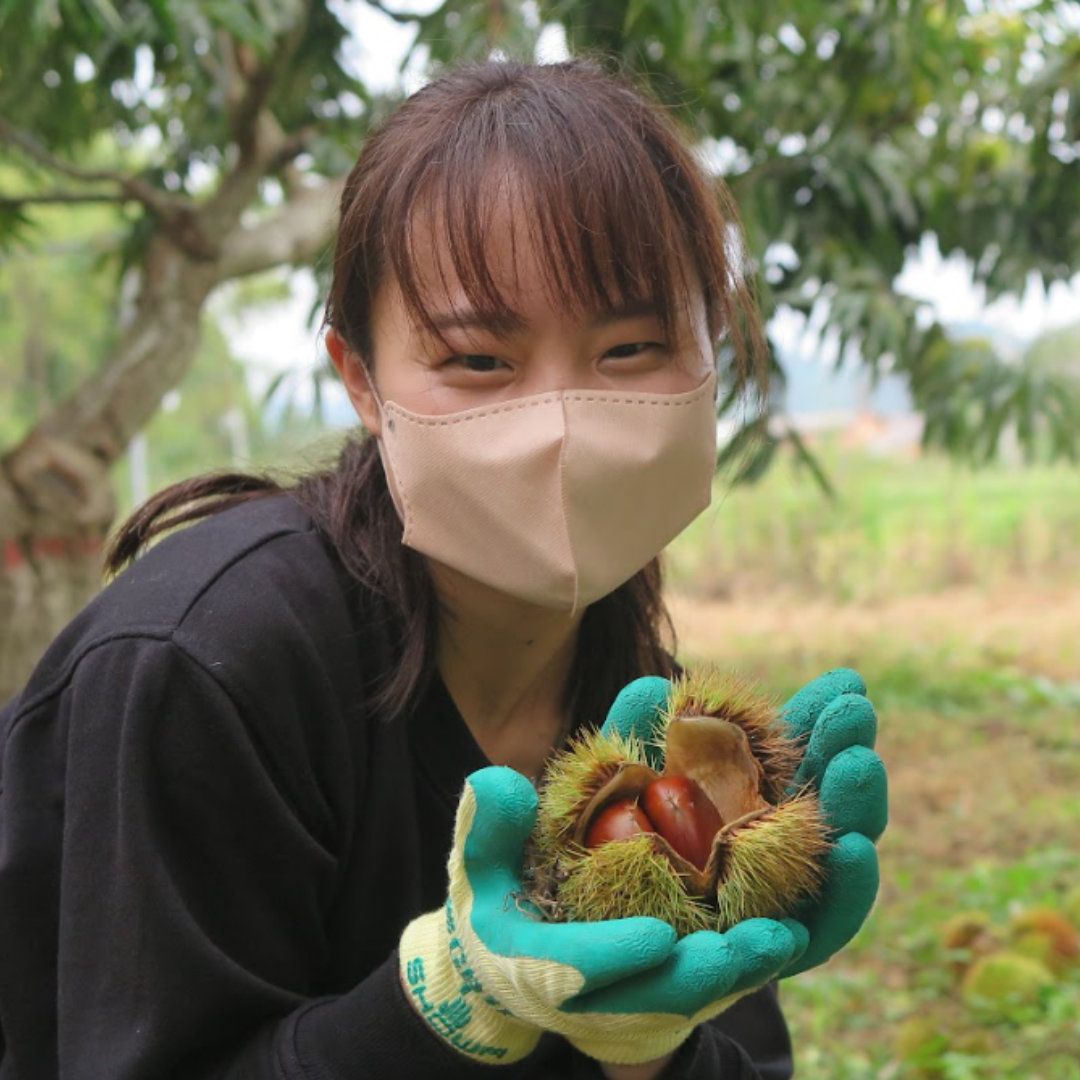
(56,497)
(42,584)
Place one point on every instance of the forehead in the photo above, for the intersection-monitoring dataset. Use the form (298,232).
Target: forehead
(510,266)
(509,243)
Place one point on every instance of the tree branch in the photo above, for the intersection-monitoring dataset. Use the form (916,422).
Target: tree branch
(398,16)
(136,189)
(151,356)
(263,144)
(258,82)
(65,197)
(297,233)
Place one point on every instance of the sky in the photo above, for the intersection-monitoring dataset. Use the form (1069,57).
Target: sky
(278,338)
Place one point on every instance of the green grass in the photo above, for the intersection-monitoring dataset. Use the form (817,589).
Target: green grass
(984,764)
(898,527)
(957,595)
(847,1017)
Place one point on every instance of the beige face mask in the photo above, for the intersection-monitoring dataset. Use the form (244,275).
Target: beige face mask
(557,498)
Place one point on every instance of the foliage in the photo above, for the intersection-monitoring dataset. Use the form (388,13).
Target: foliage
(57,310)
(970,396)
(209,142)
(60,314)
(174,128)
(1057,349)
(848,131)
(160,78)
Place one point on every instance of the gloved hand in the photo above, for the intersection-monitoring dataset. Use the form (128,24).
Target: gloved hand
(488,975)
(839,725)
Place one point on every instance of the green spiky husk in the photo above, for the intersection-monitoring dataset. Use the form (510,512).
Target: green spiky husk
(631,877)
(773,863)
(571,780)
(732,697)
(768,865)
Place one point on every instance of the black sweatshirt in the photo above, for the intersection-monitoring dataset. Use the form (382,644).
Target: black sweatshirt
(210,844)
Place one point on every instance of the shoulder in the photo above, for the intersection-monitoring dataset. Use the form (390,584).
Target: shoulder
(254,595)
(166,586)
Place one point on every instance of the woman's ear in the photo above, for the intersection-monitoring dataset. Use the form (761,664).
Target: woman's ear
(357,382)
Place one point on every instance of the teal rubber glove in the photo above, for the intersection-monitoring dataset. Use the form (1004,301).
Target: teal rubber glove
(839,725)
(489,975)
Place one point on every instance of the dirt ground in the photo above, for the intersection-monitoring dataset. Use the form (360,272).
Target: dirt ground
(1035,629)
(965,785)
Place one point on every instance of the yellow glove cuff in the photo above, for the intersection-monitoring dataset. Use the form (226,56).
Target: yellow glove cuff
(633,1039)
(447,994)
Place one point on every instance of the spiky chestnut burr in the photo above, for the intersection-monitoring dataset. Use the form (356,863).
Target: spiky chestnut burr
(720,732)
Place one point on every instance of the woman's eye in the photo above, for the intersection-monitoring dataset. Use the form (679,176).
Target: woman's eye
(477,362)
(632,348)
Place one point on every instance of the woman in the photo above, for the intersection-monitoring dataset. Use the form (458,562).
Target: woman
(229,790)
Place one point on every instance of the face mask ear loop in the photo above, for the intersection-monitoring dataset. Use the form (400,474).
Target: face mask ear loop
(388,421)
(565,507)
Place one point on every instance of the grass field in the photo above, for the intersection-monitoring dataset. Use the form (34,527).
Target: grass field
(958,598)
(896,528)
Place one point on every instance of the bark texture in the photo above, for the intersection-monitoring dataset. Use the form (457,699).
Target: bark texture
(56,497)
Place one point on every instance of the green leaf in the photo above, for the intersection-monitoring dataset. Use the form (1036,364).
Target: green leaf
(805,457)
(15,226)
(108,14)
(634,10)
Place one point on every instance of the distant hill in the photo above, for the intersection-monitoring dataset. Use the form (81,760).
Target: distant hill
(1058,349)
(816,387)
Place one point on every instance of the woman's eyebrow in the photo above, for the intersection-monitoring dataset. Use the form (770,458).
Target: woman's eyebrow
(505,323)
(631,309)
(502,324)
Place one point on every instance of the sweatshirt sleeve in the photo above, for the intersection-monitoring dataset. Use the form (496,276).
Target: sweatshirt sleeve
(750,1041)
(172,869)
(193,889)
(341,1033)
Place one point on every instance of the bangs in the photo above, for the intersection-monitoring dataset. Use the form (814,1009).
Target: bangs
(597,182)
(597,201)
(594,218)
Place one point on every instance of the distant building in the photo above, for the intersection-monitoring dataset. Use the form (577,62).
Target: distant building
(879,418)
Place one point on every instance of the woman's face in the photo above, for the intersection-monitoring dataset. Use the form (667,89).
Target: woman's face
(479,364)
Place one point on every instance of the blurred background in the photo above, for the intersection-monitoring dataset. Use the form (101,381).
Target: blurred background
(907,502)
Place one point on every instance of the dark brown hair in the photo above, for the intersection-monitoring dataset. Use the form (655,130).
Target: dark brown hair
(617,210)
